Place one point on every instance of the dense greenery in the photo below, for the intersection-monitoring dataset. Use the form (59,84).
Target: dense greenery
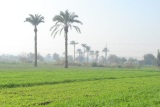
(82,87)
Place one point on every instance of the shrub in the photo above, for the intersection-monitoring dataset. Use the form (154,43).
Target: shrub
(94,64)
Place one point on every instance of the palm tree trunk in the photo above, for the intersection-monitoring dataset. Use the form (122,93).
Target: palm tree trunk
(87,58)
(66,50)
(74,53)
(106,57)
(79,57)
(84,55)
(35,59)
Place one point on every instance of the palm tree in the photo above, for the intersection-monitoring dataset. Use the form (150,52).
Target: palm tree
(84,47)
(92,54)
(80,53)
(97,54)
(88,48)
(105,50)
(35,20)
(74,44)
(64,21)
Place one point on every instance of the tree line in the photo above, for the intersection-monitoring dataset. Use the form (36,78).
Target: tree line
(62,23)
(80,59)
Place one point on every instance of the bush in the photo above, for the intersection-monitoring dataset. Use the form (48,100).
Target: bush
(74,64)
(94,64)
(129,65)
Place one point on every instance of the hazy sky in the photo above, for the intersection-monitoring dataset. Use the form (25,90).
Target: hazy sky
(130,28)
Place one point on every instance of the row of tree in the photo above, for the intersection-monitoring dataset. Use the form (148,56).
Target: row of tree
(63,22)
(87,50)
(112,60)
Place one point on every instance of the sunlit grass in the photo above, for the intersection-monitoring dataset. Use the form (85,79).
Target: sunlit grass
(79,87)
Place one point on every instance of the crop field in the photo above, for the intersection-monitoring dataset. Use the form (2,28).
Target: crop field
(51,86)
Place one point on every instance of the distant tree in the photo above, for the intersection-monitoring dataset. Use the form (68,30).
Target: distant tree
(97,54)
(23,57)
(74,44)
(80,54)
(158,58)
(35,20)
(48,57)
(92,54)
(105,50)
(113,59)
(132,61)
(122,60)
(70,58)
(141,63)
(62,23)
(56,56)
(40,57)
(88,48)
(102,60)
(84,47)
(149,59)
(30,57)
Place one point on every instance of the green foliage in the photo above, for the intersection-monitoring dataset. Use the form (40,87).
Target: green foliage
(79,87)
(158,58)
(149,59)
(94,64)
(35,19)
(63,21)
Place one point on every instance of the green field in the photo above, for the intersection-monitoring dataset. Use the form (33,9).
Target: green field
(79,87)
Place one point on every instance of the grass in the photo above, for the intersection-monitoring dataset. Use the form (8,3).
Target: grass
(79,87)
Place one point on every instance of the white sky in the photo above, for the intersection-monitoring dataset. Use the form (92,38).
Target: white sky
(130,28)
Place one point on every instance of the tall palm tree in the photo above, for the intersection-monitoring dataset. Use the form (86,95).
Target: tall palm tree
(63,22)
(105,50)
(88,48)
(74,44)
(97,54)
(35,20)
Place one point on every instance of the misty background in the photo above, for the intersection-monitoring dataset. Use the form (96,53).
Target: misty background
(128,28)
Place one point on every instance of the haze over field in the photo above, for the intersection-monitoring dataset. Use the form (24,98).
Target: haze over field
(129,28)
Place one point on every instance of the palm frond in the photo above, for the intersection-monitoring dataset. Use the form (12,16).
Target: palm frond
(55,29)
(52,33)
(77,21)
(54,26)
(67,15)
(61,31)
(58,18)
(29,20)
(77,29)
(72,42)
(35,19)
(62,14)
(55,34)
(64,21)
(32,17)
(70,26)
(73,15)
